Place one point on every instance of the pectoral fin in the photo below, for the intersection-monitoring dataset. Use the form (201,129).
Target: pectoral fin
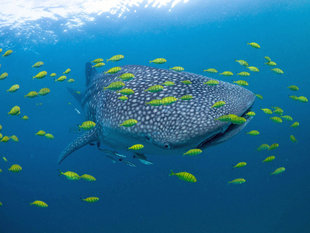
(84,139)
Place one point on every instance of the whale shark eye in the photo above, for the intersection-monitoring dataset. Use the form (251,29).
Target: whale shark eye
(167,146)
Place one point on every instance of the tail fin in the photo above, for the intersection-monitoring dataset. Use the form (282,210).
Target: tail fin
(171,173)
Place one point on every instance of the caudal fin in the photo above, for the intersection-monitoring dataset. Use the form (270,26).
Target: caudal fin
(171,173)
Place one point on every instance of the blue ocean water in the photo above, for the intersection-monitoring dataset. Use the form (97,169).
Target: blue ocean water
(196,35)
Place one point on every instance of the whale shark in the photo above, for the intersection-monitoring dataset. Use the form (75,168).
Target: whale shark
(163,130)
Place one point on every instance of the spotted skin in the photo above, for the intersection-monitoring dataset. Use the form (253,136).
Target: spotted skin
(178,125)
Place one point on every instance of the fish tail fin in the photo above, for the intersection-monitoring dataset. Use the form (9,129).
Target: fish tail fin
(79,142)
(33,77)
(150,61)
(60,172)
(171,173)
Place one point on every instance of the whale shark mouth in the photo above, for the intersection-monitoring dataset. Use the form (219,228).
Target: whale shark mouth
(229,132)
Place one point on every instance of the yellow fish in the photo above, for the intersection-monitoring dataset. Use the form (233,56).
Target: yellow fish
(218,104)
(7,53)
(49,136)
(71,80)
(253,132)
(87,125)
(44,91)
(187,82)
(227,73)
(40,75)
(115,86)
(240,164)
(88,177)
(91,199)
(116,58)
(53,74)
(184,176)
(113,70)
(5,139)
(129,123)
(13,88)
(14,138)
(14,111)
(41,133)
(186,97)
(293,88)
(177,68)
(67,71)
(276,119)
(278,171)
(4,159)
(263,147)
(259,96)
(293,139)
(254,45)
(31,94)
(269,159)
(241,82)
(38,203)
(277,71)
(295,124)
(98,60)
(211,82)
(38,64)
(210,70)
(126,76)
(25,117)
(242,62)
(155,88)
(237,181)
(61,78)
(192,152)
(126,91)
(273,146)
(98,65)
(266,110)
(156,102)
(168,100)
(244,74)
(70,175)
(168,83)
(253,68)
(4,75)
(15,168)
(159,61)
(136,147)
(123,98)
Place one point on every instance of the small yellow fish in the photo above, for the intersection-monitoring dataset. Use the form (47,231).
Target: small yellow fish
(136,147)
(259,96)
(244,74)
(88,177)
(168,100)
(67,71)
(271,63)
(295,124)
(14,111)
(38,203)
(98,65)
(126,76)
(277,71)
(38,64)
(15,168)
(98,60)
(13,88)
(278,110)
(225,118)
(266,110)
(159,61)
(218,104)
(91,199)
(293,139)
(254,45)
(276,119)
(253,132)
(278,171)
(4,159)
(113,70)
(53,75)
(114,86)
(263,147)
(155,88)
(241,82)
(123,97)
(186,97)
(302,99)
(184,176)
(293,88)
(253,68)
(273,146)
(237,181)
(71,80)
(237,120)
(269,159)
(40,75)
(70,175)
(177,68)
(7,53)
(287,118)
(1,136)
(192,152)
(1,127)
(212,82)
(168,83)
(14,138)
(40,133)
(116,58)
(4,75)
(49,136)
(240,164)
(211,70)
(242,62)
(44,91)
(129,123)
(227,73)
(61,78)
(87,125)
(156,102)
(25,117)
(31,94)
(250,114)
(5,139)
(187,82)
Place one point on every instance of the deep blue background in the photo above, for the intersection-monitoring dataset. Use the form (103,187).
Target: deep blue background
(145,199)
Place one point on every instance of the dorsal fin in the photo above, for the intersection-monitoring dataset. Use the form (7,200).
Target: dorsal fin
(90,72)
(82,140)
